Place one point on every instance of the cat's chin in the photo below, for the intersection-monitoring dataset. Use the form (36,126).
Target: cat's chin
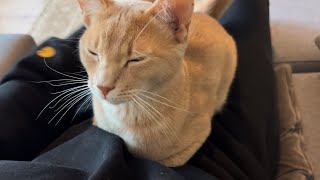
(112,101)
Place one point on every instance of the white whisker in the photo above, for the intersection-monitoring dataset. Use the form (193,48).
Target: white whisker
(164,103)
(58,80)
(81,73)
(152,118)
(51,103)
(44,60)
(74,97)
(67,95)
(65,84)
(72,101)
(71,107)
(80,108)
(147,25)
(70,89)
(156,95)
(143,108)
(162,117)
(89,104)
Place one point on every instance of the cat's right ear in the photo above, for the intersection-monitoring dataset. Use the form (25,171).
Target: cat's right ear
(176,13)
(89,8)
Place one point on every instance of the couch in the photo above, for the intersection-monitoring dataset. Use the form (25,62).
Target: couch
(295,35)
(13,48)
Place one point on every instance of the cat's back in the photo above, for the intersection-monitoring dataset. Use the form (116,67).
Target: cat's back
(208,39)
(211,60)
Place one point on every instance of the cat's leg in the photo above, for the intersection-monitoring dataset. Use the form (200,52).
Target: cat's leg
(226,81)
(222,95)
(196,134)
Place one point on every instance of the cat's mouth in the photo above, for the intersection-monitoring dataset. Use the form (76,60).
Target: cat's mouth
(112,98)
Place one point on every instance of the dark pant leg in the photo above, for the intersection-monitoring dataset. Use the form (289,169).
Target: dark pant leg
(253,95)
(244,139)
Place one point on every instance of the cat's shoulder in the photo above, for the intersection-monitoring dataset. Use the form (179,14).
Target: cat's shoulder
(202,18)
(207,29)
(208,38)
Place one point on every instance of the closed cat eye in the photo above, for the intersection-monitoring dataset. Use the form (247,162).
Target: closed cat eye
(92,53)
(136,59)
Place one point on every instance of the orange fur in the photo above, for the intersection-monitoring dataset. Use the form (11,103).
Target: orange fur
(162,105)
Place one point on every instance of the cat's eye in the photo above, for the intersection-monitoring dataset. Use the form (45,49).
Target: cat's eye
(136,59)
(92,53)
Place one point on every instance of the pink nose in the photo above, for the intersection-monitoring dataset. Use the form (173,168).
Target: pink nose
(104,90)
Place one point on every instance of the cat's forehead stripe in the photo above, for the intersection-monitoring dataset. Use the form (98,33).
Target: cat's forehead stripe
(120,30)
(117,29)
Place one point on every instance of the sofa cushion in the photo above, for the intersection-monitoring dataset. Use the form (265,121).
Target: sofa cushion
(13,47)
(294,26)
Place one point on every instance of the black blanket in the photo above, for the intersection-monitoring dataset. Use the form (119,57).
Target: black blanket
(243,143)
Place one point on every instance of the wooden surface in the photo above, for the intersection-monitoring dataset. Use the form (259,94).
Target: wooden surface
(18,16)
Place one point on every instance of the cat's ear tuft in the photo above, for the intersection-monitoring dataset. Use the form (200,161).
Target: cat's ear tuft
(89,8)
(177,13)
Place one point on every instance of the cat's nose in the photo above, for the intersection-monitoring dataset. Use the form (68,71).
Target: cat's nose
(105,89)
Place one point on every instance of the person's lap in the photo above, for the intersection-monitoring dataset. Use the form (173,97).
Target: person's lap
(244,140)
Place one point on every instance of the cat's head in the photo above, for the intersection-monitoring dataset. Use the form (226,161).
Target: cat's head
(133,45)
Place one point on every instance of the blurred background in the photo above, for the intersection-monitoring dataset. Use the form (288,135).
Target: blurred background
(17,16)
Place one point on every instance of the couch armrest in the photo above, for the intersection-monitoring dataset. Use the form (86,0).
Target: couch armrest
(293,163)
(318,41)
(12,48)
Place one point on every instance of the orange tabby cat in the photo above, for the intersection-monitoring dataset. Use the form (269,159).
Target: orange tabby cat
(158,72)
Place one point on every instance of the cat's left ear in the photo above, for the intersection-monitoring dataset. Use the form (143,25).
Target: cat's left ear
(89,8)
(177,13)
